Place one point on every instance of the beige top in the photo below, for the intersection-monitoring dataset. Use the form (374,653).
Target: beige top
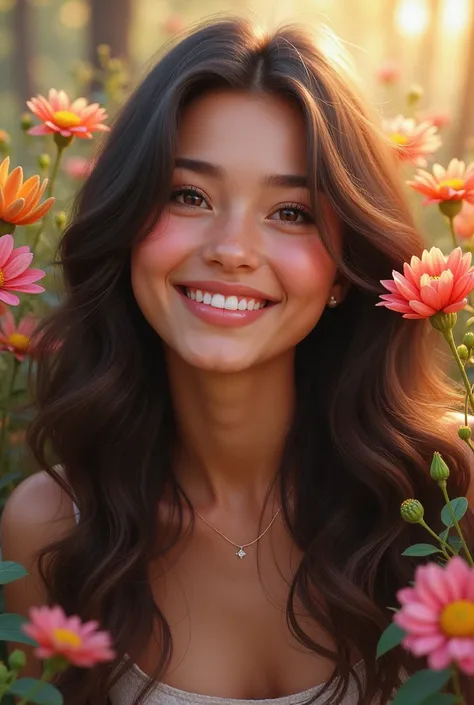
(129,685)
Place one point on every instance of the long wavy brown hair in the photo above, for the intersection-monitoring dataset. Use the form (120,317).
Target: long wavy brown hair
(371,386)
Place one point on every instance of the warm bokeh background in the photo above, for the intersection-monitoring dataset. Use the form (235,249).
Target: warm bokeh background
(46,43)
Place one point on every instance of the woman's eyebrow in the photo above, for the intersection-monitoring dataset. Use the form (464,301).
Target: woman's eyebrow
(274,180)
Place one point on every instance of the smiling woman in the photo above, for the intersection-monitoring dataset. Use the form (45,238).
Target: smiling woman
(236,421)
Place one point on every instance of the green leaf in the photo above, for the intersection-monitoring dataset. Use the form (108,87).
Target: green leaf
(441,699)
(455,543)
(46,695)
(421,549)
(391,637)
(420,686)
(10,629)
(11,571)
(459,506)
(9,477)
(469,322)
(444,534)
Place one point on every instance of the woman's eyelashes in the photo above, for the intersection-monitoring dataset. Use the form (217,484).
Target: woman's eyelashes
(289,213)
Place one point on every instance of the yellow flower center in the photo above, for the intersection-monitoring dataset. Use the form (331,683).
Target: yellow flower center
(2,278)
(457,619)
(67,638)
(19,341)
(65,119)
(398,138)
(456,184)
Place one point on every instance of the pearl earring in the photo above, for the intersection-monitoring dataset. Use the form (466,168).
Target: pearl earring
(332,303)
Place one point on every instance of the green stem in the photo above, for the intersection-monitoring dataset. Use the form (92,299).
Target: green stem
(49,193)
(455,522)
(457,687)
(445,547)
(6,406)
(448,334)
(452,231)
(37,687)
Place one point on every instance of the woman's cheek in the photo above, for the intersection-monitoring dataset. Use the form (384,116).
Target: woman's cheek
(171,242)
(303,266)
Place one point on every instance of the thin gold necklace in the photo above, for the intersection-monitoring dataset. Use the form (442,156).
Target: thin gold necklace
(241,553)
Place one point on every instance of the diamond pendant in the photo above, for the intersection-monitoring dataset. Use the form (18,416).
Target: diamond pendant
(241,553)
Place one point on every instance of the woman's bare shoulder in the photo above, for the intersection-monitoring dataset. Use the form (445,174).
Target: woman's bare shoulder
(38,512)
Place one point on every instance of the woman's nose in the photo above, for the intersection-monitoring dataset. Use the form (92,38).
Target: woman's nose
(233,244)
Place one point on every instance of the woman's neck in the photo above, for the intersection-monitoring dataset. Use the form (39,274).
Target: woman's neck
(231,429)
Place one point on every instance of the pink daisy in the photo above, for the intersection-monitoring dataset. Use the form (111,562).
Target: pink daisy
(438,615)
(58,635)
(16,339)
(412,140)
(431,284)
(464,222)
(69,119)
(456,183)
(15,274)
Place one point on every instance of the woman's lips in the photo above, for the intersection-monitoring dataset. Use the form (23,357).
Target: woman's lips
(227,311)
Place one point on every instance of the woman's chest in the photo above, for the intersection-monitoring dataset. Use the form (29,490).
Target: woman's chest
(228,622)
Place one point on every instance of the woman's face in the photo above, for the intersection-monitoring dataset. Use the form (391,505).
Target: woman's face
(234,273)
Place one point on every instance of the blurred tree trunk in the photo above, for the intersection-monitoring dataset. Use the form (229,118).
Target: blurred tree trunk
(109,24)
(23,50)
(465,113)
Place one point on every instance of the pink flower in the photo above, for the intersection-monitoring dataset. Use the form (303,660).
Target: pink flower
(430,285)
(69,119)
(464,222)
(78,167)
(16,339)
(456,183)
(413,141)
(58,635)
(438,615)
(14,272)
(439,118)
(388,72)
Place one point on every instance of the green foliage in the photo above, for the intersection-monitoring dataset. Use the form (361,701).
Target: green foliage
(422,685)
(391,637)
(459,507)
(421,549)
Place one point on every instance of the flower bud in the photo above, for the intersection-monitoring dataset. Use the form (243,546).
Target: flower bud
(439,471)
(412,511)
(44,161)
(26,121)
(5,140)
(17,660)
(468,339)
(4,673)
(415,94)
(450,208)
(463,352)
(443,321)
(464,432)
(60,219)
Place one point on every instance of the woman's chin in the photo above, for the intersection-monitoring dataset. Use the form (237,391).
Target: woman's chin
(218,359)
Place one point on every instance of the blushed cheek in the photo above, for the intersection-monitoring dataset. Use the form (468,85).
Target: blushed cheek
(305,269)
(165,248)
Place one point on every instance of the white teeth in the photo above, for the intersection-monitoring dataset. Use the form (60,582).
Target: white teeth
(218,300)
(230,303)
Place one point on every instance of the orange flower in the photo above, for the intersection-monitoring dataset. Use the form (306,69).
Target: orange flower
(413,141)
(456,183)
(66,118)
(19,202)
(431,285)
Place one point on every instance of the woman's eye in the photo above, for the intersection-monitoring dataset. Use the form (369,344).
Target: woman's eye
(292,214)
(189,197)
